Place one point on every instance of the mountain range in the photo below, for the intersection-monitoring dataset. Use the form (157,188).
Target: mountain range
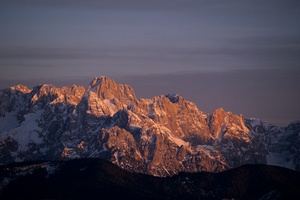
(161,136)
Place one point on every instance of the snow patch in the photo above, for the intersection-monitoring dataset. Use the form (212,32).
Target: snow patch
(110,106)
(178,141)
(28,131)
(9,121)
(174,139)
(279,159)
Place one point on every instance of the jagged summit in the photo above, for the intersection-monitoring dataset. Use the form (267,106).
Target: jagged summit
(107,88)
(174,98)
(99,80)
(159,136)
(21,88)
(103,81)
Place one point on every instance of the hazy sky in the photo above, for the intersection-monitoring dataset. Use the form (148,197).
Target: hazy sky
(243,56)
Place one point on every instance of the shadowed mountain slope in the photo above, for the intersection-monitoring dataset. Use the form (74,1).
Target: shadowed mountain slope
(100,179)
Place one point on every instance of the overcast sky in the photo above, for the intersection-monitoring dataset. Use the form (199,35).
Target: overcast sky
(240,55)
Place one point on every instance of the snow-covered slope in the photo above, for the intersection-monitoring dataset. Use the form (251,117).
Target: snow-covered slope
(159,136)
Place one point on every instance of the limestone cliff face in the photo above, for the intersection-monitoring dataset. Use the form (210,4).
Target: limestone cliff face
(106,97)
(160,136)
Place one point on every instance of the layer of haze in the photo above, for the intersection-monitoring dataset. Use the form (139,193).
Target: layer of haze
(240,55)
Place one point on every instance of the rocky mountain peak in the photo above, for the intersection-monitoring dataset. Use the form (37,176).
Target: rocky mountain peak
(102,82)
(106,88)
(21,88)
(44,89)
(227,125)
(219,113)
(44,92)
(96,81)
(174,98)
